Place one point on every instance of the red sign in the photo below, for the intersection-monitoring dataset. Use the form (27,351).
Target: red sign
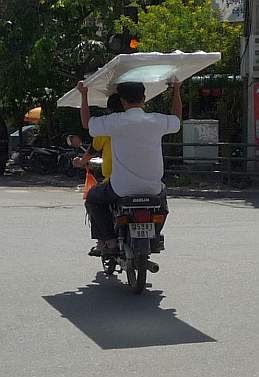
(205,92)
(216,92)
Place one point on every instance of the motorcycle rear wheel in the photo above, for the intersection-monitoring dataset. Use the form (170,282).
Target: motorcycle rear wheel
(137,277)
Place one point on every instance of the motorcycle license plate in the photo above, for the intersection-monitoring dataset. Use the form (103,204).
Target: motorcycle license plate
(142,230)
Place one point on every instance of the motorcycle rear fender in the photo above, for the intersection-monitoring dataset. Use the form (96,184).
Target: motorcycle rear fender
(140,245)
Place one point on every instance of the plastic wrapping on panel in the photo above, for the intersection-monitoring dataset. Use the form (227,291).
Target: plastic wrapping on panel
(154,69)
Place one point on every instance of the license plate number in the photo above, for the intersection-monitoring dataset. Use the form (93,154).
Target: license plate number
(142,230)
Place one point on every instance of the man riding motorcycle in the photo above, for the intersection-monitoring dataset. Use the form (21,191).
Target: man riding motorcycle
(137,162)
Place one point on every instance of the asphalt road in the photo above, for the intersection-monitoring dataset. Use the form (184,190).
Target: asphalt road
(61,317)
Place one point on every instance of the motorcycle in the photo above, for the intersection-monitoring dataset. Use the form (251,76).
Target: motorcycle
(138,221)
(44,160)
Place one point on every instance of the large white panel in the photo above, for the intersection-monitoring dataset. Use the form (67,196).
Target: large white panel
(153,69)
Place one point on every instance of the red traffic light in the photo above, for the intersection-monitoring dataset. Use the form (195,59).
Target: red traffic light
(134,43)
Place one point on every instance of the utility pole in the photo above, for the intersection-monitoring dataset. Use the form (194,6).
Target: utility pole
(250,74)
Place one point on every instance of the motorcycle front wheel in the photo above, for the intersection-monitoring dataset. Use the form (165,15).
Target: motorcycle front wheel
(137,276)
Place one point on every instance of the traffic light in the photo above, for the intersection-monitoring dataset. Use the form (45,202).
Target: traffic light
(134,43)
(125,42)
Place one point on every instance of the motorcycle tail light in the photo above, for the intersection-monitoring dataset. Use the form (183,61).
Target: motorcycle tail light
(142,216)
(158,218)
(122,220)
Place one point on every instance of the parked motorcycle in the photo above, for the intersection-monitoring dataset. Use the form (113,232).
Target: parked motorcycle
(20,157)
(44,160)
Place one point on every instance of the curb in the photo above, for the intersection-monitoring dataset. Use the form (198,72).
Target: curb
(211,193)
(37,181)
(63,182)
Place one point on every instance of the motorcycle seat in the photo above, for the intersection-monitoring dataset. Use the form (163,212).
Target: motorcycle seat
(140,201)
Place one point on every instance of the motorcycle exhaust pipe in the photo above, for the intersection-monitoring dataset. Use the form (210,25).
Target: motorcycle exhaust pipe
(152,267)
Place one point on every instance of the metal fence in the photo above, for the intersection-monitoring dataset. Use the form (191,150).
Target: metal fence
(233,160)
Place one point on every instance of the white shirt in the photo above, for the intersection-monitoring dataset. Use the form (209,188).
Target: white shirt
(137,161)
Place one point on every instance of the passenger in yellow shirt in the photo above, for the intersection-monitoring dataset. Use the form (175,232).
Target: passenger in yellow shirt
(102,143)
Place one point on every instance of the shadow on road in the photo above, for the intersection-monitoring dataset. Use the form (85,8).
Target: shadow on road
(114,318)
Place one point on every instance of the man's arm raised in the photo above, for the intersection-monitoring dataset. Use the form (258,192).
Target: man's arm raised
(85,114)
(176,107)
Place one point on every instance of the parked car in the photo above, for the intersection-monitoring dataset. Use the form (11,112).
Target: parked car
(29,133)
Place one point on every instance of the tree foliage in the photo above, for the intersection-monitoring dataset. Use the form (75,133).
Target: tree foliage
(188,26)
(46,46)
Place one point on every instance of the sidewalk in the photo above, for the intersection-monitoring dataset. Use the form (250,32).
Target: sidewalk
(212,192)
(28,179)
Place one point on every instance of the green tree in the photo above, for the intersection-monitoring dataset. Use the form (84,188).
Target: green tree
(46,46)
(15,44)
(188,26)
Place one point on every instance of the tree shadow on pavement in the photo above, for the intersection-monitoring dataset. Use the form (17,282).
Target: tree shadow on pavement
(114,318)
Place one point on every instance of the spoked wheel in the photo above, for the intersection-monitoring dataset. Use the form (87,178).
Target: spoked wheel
(137,277)
(109,265)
